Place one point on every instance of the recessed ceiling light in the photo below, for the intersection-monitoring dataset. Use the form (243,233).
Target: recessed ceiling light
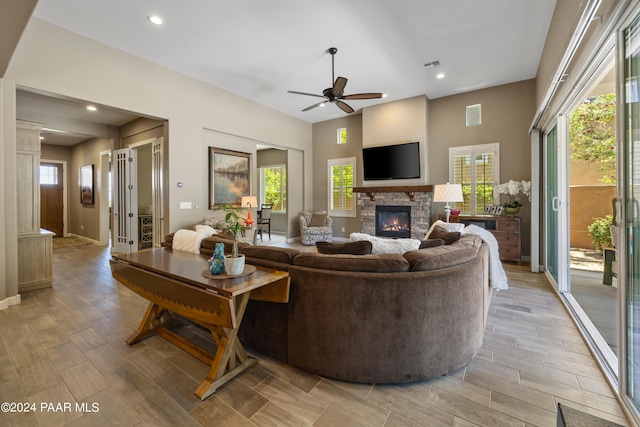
(384,95)
(91,108)
(322,105)
(440,76)
(155,19)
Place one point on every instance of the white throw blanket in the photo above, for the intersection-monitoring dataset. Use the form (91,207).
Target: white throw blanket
(496,271)
(187,241)
(498,278)
(387,246)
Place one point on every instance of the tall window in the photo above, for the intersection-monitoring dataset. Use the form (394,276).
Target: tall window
(341,180)
(273,184)
(477,168)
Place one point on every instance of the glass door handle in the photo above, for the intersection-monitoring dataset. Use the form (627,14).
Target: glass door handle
(554,203)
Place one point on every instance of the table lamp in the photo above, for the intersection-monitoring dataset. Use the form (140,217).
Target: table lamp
(447,193)
(249,201)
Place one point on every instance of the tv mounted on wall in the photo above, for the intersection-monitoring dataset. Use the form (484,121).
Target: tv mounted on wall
(401,161)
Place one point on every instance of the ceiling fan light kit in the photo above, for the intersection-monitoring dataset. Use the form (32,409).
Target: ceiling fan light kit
(335,94)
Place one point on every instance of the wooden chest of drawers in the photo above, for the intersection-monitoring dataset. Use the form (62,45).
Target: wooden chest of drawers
(506,229)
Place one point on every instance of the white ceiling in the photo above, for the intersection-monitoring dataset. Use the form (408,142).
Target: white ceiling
(261,49)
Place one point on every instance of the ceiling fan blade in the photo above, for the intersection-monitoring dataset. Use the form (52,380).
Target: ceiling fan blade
(339,85)
(314,106)
(305,93)
(371,95)
(344,107)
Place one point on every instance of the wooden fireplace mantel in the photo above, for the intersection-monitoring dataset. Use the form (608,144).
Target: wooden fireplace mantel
(411,190)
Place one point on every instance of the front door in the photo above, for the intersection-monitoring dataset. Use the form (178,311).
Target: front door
(51,198)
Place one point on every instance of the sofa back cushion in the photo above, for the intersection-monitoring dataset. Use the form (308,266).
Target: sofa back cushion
(361,247)
(380,263)
(442,256)
(209,244)
(270,253)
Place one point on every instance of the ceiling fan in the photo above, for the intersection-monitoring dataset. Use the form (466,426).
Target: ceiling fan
(335,94)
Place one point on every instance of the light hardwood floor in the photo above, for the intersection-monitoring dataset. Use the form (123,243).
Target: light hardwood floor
(66,344)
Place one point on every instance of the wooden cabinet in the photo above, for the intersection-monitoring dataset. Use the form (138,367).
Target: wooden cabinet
(506,229)
(145,231)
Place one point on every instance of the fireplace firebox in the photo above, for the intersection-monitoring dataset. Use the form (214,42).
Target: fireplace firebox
(393,221)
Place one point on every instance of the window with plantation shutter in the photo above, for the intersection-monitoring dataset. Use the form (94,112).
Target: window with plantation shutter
(341,174)
(477,168)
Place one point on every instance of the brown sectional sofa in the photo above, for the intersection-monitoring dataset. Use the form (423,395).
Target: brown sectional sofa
(383,318)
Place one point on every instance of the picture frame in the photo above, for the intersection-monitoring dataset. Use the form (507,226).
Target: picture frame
(229,177)
(499,210)
(492,210)
(86,185)
(487,210)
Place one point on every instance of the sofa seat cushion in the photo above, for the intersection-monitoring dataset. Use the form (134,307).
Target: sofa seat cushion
(270,253)
(440,257)
(381,263)
(361,247)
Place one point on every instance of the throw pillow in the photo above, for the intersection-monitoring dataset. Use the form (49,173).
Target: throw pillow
(206,230)
(431,243)
(361,247)
(448,236)
(318,220)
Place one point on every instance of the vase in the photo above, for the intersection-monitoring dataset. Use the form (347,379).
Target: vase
(234,266)
(511,211)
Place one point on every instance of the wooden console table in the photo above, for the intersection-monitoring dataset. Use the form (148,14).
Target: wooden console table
(172,281)
(506,229)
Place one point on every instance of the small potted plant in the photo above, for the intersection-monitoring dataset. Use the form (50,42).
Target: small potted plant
(234,223)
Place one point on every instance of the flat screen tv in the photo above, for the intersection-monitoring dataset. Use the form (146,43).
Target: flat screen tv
(401,161)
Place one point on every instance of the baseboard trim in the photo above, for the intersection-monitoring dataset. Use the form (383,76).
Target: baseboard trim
(8,302)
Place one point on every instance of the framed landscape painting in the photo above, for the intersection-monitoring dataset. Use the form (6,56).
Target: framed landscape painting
(86,185)
(229,177)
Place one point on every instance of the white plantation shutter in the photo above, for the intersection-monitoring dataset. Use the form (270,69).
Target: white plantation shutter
(341,175)
(477,169)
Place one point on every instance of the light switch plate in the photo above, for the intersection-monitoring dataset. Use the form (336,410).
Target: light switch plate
(185,205)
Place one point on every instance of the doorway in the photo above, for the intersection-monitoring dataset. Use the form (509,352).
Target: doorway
(52,196)
(580,184)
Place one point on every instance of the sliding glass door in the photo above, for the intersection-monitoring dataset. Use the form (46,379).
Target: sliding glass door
(551,202)
(556,205)
(629,223)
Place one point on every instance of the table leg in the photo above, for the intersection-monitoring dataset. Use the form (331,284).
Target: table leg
(229,351)
(150,322)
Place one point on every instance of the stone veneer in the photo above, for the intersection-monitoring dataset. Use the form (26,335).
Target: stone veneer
(420,210)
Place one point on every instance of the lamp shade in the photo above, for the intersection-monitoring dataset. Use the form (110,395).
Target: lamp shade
(448,193)
(248,201)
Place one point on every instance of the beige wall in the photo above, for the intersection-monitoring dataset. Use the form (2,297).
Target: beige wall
(82,69)
(395,123)
(325,147)
(506,115)
(84,220)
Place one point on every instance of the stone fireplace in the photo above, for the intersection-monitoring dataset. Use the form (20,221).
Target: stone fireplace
(416,199)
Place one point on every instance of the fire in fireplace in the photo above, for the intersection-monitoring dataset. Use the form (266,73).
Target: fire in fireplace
(393,221)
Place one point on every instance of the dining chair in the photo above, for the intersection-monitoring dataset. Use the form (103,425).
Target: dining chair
(264,219)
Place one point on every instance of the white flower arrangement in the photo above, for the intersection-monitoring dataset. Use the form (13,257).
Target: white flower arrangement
(512,189)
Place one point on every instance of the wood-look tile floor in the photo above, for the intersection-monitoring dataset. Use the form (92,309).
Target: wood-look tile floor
(65,345)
